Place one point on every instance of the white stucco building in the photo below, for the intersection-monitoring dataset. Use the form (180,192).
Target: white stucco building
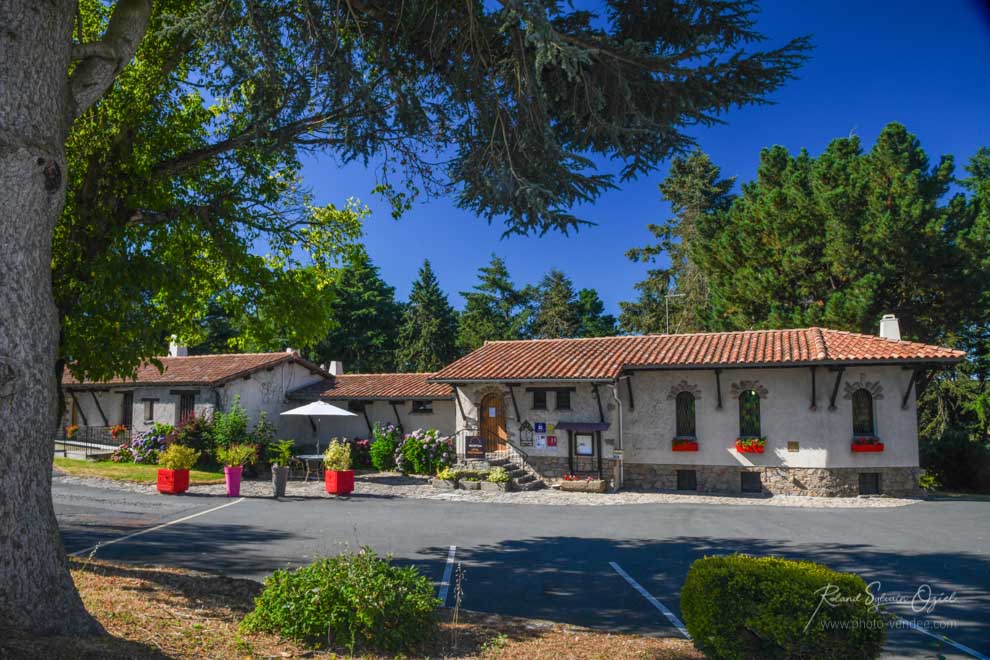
(666,411)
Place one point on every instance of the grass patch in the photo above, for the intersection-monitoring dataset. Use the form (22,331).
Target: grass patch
(137,472)
(153,612)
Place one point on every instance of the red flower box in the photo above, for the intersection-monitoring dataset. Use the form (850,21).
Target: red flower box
(173,482)
(754,446)
(339,482)
(861,446)
(684,445)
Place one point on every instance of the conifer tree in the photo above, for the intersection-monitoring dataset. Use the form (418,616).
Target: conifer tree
(494,309)
(428,335)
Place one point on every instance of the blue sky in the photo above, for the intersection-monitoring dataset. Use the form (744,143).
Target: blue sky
(926,65)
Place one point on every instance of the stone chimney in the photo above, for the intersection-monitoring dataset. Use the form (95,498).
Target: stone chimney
(336,367)
(177,350)
(890,328)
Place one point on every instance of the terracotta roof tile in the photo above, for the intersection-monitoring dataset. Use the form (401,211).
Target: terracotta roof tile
(604,358)
(201,369)
(376,386)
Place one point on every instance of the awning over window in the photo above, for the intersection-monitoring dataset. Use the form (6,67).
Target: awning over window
(582,427)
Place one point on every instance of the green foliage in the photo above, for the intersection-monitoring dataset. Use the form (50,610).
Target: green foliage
(739,606)
(263,437)
(428,336)
(230,427)
(383,447)
(557,313)
(337,456)
(178,457)
(353,600)
(498,475)
(366,319)
(592,319)
(424,452)
(929,481)
(237,455)
(448,474)
(195,432)
(494,309)
(957,461)
(280,453)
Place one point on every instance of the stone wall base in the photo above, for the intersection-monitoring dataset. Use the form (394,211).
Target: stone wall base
(818,482)
(552,468)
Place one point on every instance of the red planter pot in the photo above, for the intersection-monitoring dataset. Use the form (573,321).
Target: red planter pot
(749,449)
(173,482)
(685,445)
(339,482)
(859,449)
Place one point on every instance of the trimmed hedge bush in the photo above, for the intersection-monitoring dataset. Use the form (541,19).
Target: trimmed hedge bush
(739,607)
(351,600)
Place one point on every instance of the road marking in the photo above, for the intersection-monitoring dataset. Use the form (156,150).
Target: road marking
(152,529)
(447,571)
(653,601)
(942,638)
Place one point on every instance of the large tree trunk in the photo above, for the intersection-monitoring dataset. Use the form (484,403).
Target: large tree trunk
(36,590)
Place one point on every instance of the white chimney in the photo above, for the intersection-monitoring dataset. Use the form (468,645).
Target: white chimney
(290,350)
(890,328)
(336,368)
(177,350)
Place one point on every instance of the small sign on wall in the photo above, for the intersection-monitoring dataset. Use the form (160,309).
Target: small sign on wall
(551,441)
(540,427)
(541,440)
(474,446)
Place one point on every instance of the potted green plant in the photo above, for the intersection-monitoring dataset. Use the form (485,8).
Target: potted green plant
(446,479)
(338,475)
(281,455)
(498,480)
(234,458)
(175,462)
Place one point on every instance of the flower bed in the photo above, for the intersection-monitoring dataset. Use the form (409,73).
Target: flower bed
(866,444)
(575,484)
(750,445)
(684,444)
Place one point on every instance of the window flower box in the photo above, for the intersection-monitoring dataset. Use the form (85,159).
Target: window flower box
(866,444)
(684,444)
(751,445)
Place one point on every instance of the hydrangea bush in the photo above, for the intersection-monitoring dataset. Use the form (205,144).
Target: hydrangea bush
(145,446)
(424,452)
(383,446)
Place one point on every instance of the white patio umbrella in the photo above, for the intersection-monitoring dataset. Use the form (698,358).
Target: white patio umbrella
(319,409)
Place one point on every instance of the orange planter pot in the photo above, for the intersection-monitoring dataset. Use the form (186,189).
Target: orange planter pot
(749,449)
(173,482)
(875,447)
(339,482)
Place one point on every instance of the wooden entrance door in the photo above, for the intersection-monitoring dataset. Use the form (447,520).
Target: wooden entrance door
(493,422)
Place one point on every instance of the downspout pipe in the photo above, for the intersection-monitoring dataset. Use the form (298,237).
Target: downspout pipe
(614,387)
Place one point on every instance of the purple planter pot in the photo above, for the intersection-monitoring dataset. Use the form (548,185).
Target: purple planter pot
(233,477)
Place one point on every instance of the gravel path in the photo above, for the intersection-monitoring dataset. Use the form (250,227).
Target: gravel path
(398,485)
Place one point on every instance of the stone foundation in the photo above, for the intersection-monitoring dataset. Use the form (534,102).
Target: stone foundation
(552,468)
(817,482)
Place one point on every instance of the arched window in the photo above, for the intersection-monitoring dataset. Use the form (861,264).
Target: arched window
(685,415)
(863,422)
(749,414)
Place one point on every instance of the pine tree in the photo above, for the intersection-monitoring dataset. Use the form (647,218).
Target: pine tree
(592,319)
(428,336)
(366,319)
(556,308)
(494,309)
(693,188)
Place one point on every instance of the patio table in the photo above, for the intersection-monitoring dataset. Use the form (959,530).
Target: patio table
(308,460)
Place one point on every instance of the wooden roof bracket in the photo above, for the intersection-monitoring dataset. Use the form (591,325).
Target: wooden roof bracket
(457,398)
(835,388)
(814,390)
(395,411)
(911,383)
(79,407)
(512,393)
(632,403)
(99,408)
(718,388)
(598,398)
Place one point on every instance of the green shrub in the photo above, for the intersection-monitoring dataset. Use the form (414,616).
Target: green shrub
(337,457)
(177,457)
(195,432)
(957,460)
(237,455)
(230,427)
(424,452)
(351,600)
(498,475)
(383,447)
(739,607)
(281,452)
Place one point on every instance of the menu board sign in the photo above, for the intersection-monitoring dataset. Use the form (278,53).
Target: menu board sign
(474,446)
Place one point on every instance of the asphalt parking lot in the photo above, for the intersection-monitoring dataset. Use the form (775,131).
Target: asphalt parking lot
(617,568)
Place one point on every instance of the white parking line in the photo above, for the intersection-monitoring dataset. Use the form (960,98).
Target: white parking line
(650,599)
(942,638)
(84,551)
(447,572)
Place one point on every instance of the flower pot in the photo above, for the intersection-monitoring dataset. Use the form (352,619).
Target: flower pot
(339,482)
(492,487)
(173,482)
(280,477)
(470,485)
(749,449)
(584,486)
(233,477)
(862,448)
(443,484)
(685,445)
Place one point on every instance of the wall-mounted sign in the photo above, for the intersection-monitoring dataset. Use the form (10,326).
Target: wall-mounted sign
(526,434)
(584,444)
(551,441)
(474,446)
(493,412)
(540,427)
(541,440)
(550,428)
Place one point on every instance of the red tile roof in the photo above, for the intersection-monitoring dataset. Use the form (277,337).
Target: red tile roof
(201,369)
(605,358)
(376,386)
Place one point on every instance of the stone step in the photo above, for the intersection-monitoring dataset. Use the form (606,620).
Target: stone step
(525,479)
(536,484)
(498,462)
(517,473)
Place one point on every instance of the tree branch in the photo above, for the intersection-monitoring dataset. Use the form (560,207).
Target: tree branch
(103,60)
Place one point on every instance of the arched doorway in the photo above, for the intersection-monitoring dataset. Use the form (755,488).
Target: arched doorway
(492,415)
